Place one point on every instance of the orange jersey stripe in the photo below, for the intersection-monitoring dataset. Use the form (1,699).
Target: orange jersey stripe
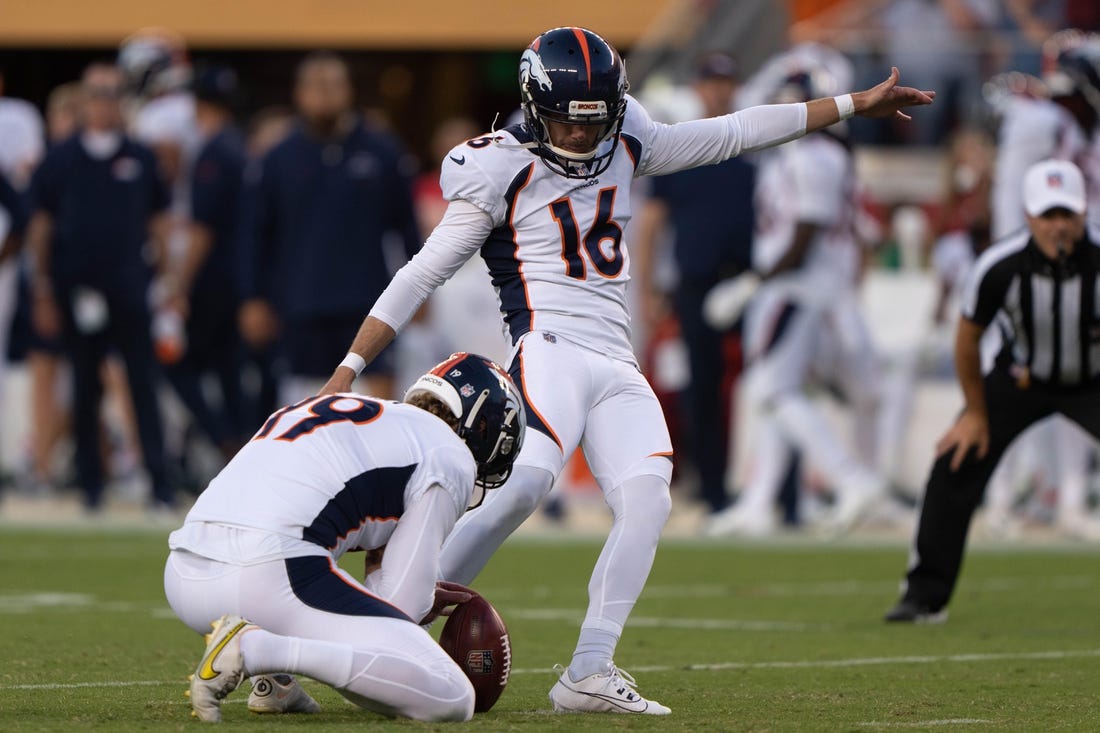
(527,399)
(515,240)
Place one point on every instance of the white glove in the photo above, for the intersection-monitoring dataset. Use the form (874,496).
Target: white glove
(727,300)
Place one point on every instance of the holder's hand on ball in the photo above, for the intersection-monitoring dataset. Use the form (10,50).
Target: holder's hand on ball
(447,596)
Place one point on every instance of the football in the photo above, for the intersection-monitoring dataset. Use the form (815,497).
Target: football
(477,639)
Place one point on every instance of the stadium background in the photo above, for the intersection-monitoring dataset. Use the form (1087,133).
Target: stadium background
(424,62)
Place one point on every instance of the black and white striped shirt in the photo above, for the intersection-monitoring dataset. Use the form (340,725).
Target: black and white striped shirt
(1048,311)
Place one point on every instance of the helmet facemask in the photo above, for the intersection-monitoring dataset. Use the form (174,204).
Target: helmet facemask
(555,86)
(566,162)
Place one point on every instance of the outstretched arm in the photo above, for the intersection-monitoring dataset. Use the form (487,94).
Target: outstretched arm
(373,336)
(883,100)
(463,230)
(685,145)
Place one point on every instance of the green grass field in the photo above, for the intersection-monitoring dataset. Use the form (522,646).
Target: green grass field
(732,637)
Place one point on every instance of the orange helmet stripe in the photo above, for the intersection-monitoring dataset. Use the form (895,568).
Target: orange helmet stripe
(583,40)
(444,367)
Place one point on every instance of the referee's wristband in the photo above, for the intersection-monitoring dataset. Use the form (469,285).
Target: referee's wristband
(354,362)
(845,105)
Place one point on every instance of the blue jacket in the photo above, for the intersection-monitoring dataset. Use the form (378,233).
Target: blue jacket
(318,216)
(101,211)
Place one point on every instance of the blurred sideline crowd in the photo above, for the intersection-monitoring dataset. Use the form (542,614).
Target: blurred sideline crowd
(172,274)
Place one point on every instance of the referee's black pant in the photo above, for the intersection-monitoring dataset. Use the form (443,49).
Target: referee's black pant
(950,498)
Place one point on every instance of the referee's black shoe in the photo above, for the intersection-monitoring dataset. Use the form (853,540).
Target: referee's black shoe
(909,611)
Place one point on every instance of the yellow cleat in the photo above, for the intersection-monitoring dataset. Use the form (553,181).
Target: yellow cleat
(221,669)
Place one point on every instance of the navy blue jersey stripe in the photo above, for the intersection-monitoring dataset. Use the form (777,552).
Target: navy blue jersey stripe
(519,132)
(534,419)
(499,253)
(634,147)
(316,583)
(375,494)
(780,327)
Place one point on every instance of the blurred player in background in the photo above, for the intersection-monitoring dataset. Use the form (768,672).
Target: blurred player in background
(710,209)
(13,211)
(160,110)
(22,139)
(323,477)
(804,324)
(326,198)
(22,145)
(161,107)
(201,290)
(547,202)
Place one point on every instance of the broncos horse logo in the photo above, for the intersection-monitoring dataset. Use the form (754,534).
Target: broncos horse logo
(530,67)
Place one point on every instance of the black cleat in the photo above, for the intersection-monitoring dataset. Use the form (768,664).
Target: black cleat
(908,611)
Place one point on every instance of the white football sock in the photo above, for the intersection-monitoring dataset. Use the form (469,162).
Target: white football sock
(640,507)
(593,655)
(807,428)
(267,653)
(771,456)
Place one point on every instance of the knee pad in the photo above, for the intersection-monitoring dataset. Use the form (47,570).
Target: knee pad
(645,498)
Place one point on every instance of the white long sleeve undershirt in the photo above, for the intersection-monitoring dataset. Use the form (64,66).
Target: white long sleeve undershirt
(668,148)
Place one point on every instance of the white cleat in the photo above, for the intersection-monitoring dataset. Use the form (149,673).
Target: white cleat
(741,523)
(280,693)
(1083,529)
(221,669)
(613,692)
(852,506)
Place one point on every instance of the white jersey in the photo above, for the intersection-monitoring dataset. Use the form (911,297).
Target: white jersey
(324,476)
(811,180)
(1031,130)
(170,120)
(22,140)
(554,245)
(1089,162)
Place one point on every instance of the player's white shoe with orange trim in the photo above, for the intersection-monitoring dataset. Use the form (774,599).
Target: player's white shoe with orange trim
(612,692)
(221,669)
(280,693)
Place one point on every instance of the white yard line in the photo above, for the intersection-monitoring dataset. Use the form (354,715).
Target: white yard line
(722,666)
(857,587)
(925,723)
(654,622)
(855,662)
(106,683)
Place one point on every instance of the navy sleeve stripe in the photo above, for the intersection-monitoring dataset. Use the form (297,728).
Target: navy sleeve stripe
(500,253)
(633,147)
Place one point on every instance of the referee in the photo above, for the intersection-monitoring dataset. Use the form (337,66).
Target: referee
(1039,289)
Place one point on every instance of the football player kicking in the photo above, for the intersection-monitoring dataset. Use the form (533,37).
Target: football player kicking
(324,476)
(547,202)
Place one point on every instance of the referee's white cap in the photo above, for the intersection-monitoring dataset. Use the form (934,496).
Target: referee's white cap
(1054,184)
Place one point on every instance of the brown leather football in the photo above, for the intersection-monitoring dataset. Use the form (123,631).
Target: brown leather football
(477,639)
